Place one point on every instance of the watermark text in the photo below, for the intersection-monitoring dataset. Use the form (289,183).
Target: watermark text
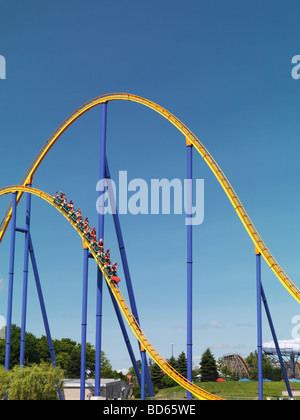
(155,197)
(2,67)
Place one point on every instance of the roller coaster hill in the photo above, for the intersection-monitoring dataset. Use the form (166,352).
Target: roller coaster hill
(93,249)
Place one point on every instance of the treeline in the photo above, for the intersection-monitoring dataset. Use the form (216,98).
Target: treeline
(207,370)
(68,358)
(210,369)
(160,379)
(67,354)
(270,369)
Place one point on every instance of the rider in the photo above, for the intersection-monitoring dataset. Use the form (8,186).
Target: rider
(70,207)
(107,256)
(94,235)
(78,215)
(100,249)
(57,196)
(114,268)
(85,226)
(63,200)
(99,246)
(87,231)
(114,277)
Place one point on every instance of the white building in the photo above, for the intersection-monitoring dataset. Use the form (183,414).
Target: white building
(110,389)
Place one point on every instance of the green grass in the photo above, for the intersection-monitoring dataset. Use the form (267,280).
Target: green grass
(231,390)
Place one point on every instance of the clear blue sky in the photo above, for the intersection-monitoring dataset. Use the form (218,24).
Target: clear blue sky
(224,69)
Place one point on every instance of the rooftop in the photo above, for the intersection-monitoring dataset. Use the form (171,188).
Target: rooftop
(89,383)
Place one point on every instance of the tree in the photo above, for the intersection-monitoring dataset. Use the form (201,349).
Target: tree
(106,367)
(3,381)
(172,362)
(156,376)
(166,380)
(63,360)
(38,382)
(269,371)
(67,353)
(31,348)
(181,364)
(227,373)
(2,352)
(73,366)
(208,367)
(43,349)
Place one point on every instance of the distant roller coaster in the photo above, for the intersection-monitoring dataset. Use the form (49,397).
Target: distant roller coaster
(290,351)
(237,365)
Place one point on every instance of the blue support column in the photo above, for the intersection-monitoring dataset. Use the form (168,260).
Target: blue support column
(126,271)
(42,302)
(11,279)
(43,308)
(101,235)
(125,335)
(143,379)
(25,279)
(259,324)
(84,323)
(264,299)
(189,266)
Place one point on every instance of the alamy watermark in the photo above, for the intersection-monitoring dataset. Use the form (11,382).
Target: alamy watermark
(296,68)
(141,197)
(296,328)
(2,67)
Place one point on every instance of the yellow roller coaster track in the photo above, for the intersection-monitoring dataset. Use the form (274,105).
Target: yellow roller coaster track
(200,393)
(231,194)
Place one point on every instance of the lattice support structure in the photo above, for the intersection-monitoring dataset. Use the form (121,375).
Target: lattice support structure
(237,365)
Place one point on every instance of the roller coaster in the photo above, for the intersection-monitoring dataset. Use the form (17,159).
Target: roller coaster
(236,364)
(128,312)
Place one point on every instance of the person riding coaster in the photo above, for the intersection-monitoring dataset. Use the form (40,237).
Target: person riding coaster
(77,217)
(107,262)
(108,269)
(94,236)
(100,255)
(99,245)
(62,201)
(70,207)
(114,268)
(88,233)
(80,222)
(107,255)
(85,226)
(59,197)
(114,277)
